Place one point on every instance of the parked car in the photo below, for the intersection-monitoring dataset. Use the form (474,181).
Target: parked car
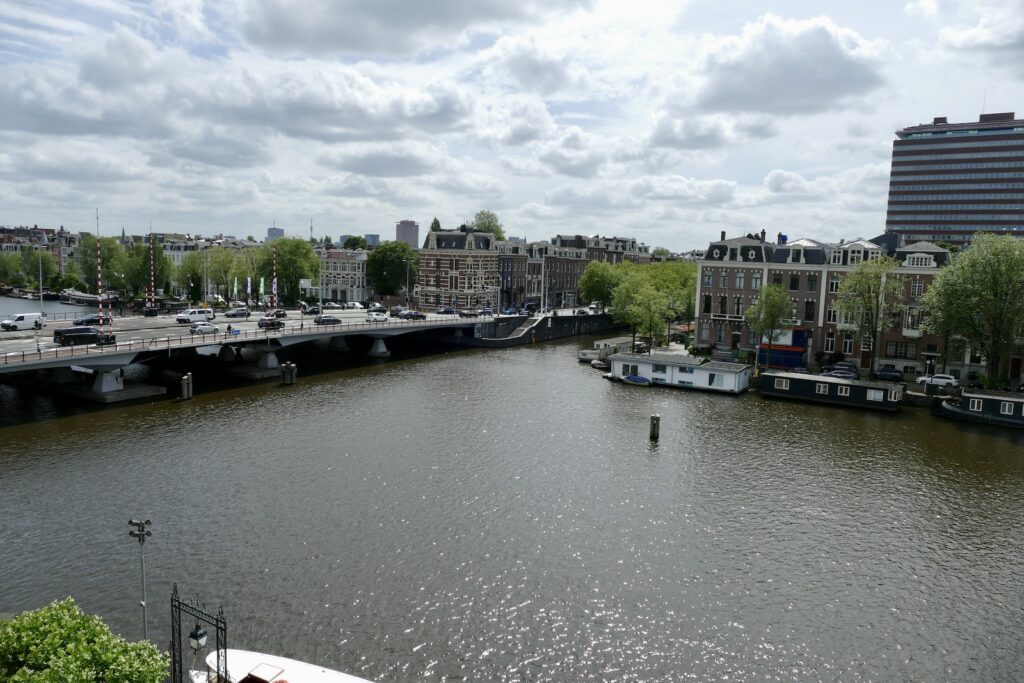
(842,374)
(396,311)
(889,374)
(489,312)
(93,319)
(939,380)
(446,310)
(468,313)
(270,322)
(203,328)
(240,312)
(327,320)
(330,305)
(842,365)
(526,311)
(412,315)
(150,311)
(376,317)
(581,311)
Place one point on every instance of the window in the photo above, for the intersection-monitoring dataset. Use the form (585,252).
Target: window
(916,288)
(755,280)
(1006,408)
(720,335)
(738,306)
(707,303)
(704,333)
(821,388)
(809,307)
(659,368)
(708,279)
(975,405)
(874,254)
(830,342)
(723,303)
(843,390)
(740,277)
(723,280)
(847,344)
(812,283)
(837,257)
(777,280)
(831,314)
(794,282)
(919,260)
(875,395)
(855,256)
(794,256)
(833,285)
(906,350)
(782,384)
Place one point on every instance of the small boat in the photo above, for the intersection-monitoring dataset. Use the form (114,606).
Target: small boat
(600,364)
(636,380)
(256,667)
(1000,408)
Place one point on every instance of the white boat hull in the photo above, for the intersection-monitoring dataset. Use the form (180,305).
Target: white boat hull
(271,668)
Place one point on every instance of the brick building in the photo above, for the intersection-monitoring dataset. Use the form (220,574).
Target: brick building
(459,268)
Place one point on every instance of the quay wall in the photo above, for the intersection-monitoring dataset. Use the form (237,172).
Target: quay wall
(495,334)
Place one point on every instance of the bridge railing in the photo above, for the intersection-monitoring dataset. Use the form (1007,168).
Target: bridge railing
(187,340)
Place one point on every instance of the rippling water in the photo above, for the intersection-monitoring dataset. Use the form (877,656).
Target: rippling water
(501,515)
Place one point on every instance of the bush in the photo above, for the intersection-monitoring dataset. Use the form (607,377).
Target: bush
(61,643)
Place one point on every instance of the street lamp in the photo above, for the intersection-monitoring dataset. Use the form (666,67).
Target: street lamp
(406,282)
(197,638)
(141,532)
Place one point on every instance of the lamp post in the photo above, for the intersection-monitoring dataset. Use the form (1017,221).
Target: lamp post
(141,532)
(407,293)
(196,641)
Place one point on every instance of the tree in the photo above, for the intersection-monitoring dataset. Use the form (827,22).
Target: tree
(355,243)
(137,269)
(435,225)
(661,252)
(190,275)
(36,258)
(112,256)
(61,643)
(598,282)
(871,295)
(766,315)
(295,260)
(386,267)
(487,221)
(220,266)
(678,279)
(11,266)
(980,296)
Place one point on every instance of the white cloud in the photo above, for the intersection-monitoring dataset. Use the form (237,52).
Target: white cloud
(393,159)
(574,153)
(697,132)
(682,189)
(515,120)
(997,28)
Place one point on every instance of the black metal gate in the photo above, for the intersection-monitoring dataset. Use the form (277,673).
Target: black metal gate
(196,608)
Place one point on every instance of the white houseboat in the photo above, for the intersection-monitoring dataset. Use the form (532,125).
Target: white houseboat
(604,348)
(681,371)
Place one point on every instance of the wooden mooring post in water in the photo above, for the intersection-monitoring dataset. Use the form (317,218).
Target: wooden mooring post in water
(186,386)
(289,373)
(655,427)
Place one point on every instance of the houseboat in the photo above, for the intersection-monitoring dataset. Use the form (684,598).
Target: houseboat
(604,348)
(1000,408)
(854,393)
(73,296)
(681,371)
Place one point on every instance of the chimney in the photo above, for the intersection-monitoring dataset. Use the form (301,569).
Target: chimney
(723,236)
(762,236)
(778,238)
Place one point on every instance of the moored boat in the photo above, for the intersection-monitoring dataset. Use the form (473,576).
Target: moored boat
(256,667)
(600,364)
(682,371)
(852,393)
(636,380)
(1000,408)
(604,348)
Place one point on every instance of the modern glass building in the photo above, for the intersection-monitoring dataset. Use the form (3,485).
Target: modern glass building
(952,180)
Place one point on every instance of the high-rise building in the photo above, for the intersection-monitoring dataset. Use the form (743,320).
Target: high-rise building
(274,233)
(951,180)
(408,232)
(372,240)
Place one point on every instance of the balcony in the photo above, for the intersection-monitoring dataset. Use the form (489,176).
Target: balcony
(728,316)
(847,327)
(910,333)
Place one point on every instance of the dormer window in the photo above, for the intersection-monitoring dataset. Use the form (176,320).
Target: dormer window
(919,261)
(837,257)
(855,256)
(794,256)
(874,255)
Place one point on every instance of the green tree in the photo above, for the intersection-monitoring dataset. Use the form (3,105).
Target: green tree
(61,643)
(487,221)
(766,315)
(355,242)
(871,295)
(661,252)
(35,258)
(11,266)
(678,280)
(295,260)
(386,267)
(598,282)
(435,225)
(221,264)
(980,296)
(111,254)
(137,268)
(190,275)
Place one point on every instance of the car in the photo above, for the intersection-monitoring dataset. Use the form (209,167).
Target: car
(150,311)
(412,315)
(377,308)
(203,328)
(800,370)
(939,380)
(396,311)
(93,319)
(326,320)
(240,312)
(376,317)
(489,312)
(468,313)
(842,365)
(446,310)
(278,313)
(330,306)
(841,374)
(311,310)
(511,310)
(582,311)
(526,311)
(889,374)
(270,322)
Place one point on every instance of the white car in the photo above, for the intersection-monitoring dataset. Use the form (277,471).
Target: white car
(374,317)
(203,328)
(940,380)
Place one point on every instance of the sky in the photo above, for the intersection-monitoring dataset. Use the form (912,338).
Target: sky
(664,121)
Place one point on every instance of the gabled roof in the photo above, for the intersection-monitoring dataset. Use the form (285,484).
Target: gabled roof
(921,247)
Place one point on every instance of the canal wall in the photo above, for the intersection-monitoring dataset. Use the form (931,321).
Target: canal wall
(501,332)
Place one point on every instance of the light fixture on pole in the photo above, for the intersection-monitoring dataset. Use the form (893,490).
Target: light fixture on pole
(141,532)
(197,638)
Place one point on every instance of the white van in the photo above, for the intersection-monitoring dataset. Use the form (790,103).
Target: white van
(24,321)
(195,315)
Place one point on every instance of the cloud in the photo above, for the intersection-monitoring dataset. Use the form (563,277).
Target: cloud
(789,67)
(706,132)
(681,188)
(515,120)
(386,27)
(924,8)
(998,30)
(573,153)
(390,160)
(527,65)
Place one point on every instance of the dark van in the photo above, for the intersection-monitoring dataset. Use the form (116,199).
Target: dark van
(70,336)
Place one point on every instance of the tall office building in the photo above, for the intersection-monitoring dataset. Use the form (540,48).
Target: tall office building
(408,232)
(951,180)
(274,234)
(371,239)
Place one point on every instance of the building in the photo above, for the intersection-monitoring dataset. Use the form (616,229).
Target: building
(951,180)
(274,233)
(458,268)
(343,276)
(408,232)
(372,240)
(733,271)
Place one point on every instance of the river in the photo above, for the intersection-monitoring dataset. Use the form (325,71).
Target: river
(501,515)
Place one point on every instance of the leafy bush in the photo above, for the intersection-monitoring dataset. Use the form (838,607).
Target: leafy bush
(60,643)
